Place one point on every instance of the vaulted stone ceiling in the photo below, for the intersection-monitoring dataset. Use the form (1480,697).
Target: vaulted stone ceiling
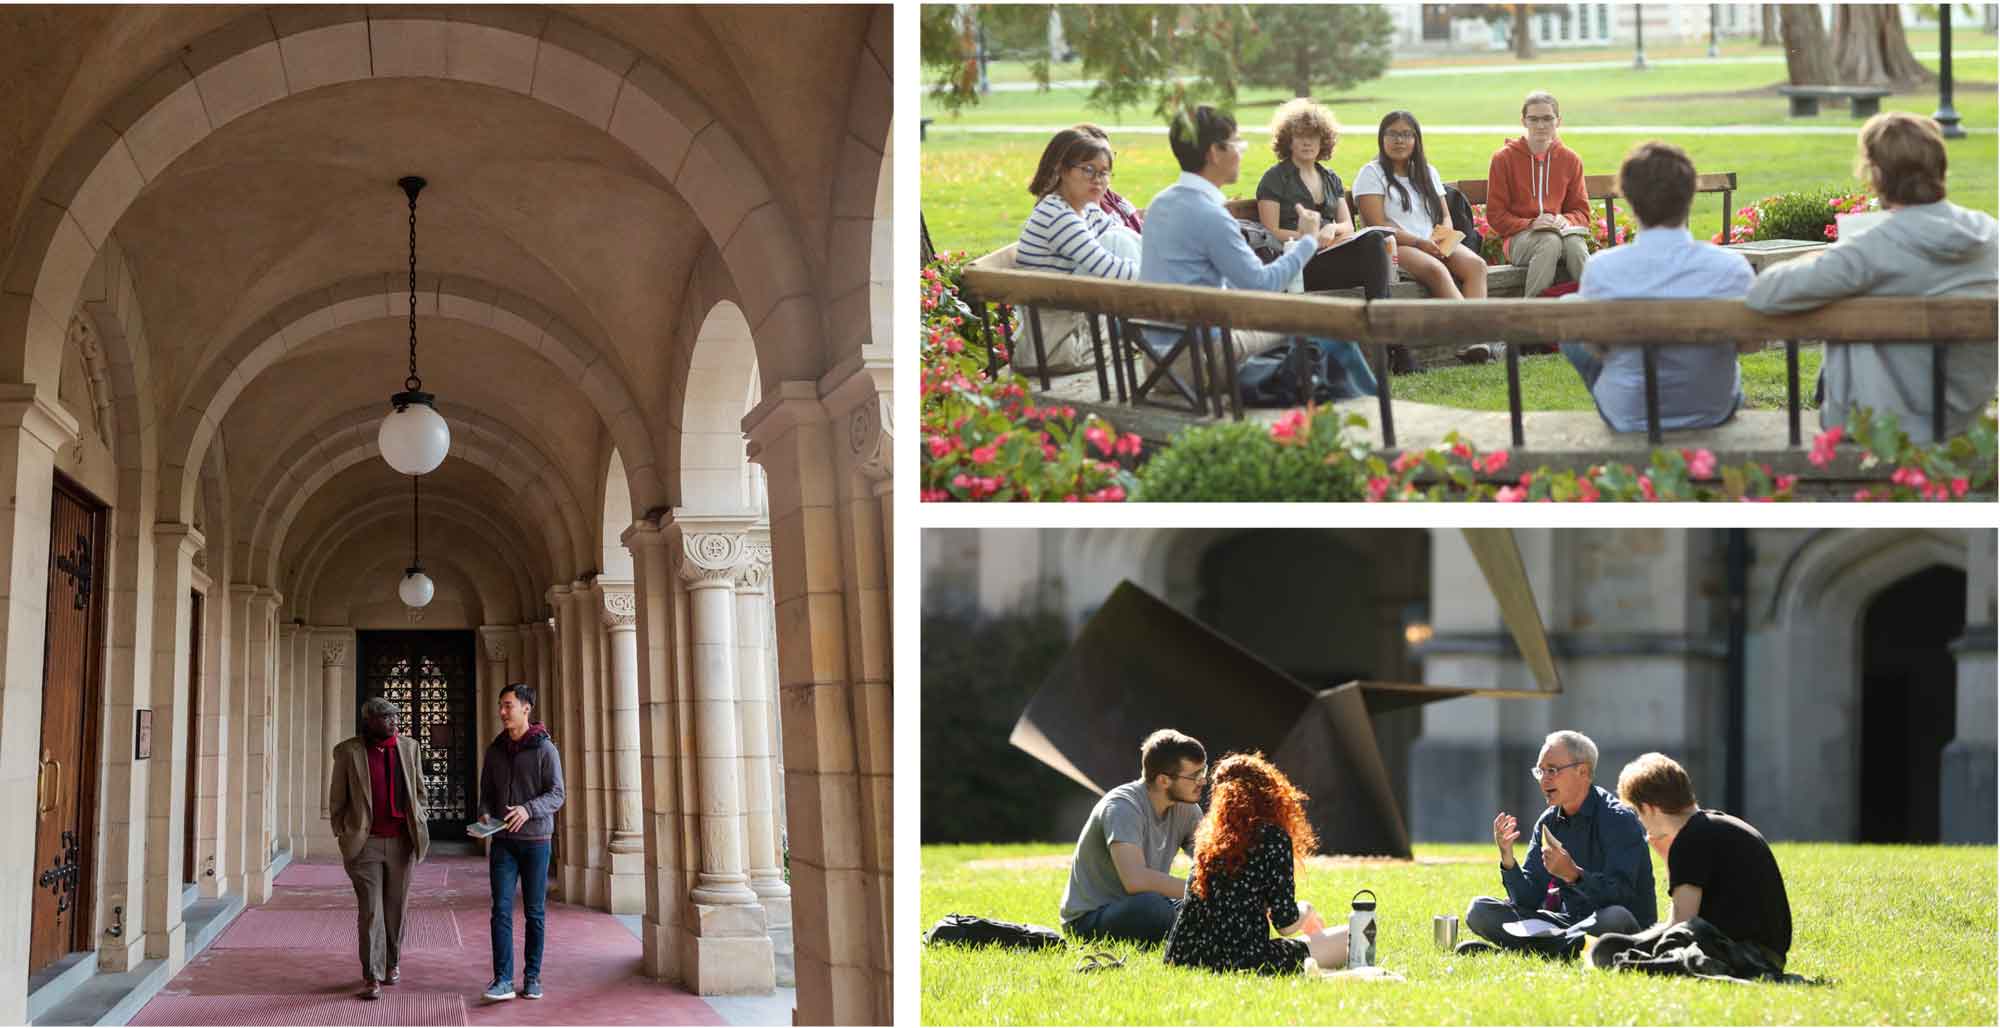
(570,263)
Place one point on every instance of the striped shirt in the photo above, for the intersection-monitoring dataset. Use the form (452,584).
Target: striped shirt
(1057,238)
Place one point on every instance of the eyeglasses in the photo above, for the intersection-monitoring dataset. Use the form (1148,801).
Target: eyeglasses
(1238,145)
(1092,173)
(1400,136)
(1199,779)
(1544,773)
(1540,119)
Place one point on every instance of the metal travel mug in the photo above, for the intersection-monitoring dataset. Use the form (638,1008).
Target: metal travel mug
(1361,931)
(1444,931)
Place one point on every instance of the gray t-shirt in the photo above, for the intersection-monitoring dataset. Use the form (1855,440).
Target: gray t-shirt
(1125,814)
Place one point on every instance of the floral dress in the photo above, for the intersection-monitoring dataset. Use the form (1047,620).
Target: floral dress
(1230,928)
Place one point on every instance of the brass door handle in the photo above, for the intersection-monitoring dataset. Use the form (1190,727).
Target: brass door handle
(45,807)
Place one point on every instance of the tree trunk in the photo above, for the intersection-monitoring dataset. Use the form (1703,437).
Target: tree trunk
(1302,73)
(1808,56)
(1770,36)
(1524,36)
(1870,49)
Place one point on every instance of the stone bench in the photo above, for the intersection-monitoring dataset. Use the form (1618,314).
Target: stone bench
(1862,101)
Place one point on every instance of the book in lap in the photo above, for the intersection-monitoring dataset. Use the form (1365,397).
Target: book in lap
(1446,239)
(1568,230)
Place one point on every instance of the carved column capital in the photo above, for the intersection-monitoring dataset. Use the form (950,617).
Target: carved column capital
(754,574)
(618,605)
(496,639)
(711,559)
(332,653)
(859,396)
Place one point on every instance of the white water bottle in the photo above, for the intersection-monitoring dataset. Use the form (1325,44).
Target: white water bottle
(1361,931)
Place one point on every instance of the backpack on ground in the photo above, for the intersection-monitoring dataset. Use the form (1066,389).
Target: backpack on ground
(1278,377)
(973,930)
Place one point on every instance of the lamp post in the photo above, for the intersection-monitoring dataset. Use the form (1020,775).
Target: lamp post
(1947,115)
(1714,16)
(1639,36)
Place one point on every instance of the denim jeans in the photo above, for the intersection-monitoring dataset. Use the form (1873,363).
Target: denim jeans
(1144,918)
(508,862)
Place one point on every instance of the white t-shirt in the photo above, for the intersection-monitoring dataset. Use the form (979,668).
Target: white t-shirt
(1370,181)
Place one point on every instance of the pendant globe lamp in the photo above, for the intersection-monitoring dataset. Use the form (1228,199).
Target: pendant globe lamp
(414,438)
(416,589)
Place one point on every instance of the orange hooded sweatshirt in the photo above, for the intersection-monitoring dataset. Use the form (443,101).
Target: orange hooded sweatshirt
(1520,185)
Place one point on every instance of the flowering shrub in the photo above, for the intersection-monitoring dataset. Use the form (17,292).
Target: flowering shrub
(982,438)
(1806,215)
(1306,456)
(1941,471)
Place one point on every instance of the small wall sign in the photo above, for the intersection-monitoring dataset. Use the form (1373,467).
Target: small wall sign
(142,735)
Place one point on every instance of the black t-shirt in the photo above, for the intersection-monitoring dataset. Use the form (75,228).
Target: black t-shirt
(1742,891)
(1284,184)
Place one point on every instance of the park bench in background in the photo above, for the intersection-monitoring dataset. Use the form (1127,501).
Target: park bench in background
(1605,188)
(1862,101)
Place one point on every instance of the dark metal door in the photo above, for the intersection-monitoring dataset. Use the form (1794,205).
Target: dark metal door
(430,678)
(66,777)
(189,816)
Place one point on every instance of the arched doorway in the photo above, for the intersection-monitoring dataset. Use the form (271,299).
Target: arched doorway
(1909,702)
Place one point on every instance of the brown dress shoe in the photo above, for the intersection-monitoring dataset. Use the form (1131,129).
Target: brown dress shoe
(395,975)
(371,989)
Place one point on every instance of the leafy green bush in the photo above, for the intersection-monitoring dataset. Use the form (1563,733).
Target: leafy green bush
(1302,458)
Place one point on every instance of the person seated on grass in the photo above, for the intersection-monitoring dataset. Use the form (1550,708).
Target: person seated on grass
(1119,885)
(1191,240)
(1719,868)
(1596,877)
(1242,887)
(1699,386)
(1399,189)
(1927,246)
(1303,134)
(1535,198)
(1117,206)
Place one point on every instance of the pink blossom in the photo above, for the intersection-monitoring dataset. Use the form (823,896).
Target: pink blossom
(962,480)
(1786,482)
(1959,486)
(1823,446)
(1700,463)
(1646,488)
(1832,232)
(1494,461)
(1049,452)
(1510,494)
(1406,460)
(1377,487)
(1130,444)
(985,454)
(1586,492)
(939,446)
(1462,451)
(1286,430)
(934,495)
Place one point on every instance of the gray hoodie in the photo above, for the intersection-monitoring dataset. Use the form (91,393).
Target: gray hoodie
(1933,249)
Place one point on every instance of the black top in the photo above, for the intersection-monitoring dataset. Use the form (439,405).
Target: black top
(1284,184)
(1742,891)
(1230,928)
(523,773)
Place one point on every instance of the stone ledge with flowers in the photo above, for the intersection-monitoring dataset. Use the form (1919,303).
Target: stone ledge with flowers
(991,438)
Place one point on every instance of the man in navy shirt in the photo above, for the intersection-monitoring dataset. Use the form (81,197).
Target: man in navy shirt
(1596,877)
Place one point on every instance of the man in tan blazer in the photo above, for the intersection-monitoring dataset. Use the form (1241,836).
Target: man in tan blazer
(376,803)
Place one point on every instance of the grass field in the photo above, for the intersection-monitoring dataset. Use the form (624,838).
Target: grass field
(974,186)
(1906,934)
(1549,383)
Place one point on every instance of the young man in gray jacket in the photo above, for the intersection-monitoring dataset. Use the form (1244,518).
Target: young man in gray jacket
(1926,247)
(520,788)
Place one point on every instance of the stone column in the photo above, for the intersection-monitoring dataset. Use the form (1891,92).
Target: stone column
(260,781)
(663,752)
(754,695)
(619,611)
(1966,770)
(286,725)
(583,783)
(565,723)
(731,945)
(33,426)
(495,644)
(336,716)
(239,857)
(174,546)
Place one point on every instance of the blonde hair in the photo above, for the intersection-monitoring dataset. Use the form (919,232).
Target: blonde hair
(1658,781)
(1902,158)
(1301,115)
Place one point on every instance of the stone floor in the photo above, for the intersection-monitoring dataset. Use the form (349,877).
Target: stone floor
(297,972)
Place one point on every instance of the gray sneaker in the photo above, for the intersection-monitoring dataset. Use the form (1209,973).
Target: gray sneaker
(532,990)
(501,989)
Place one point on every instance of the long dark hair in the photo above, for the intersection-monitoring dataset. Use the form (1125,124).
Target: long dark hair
(1420,169)
(1070,147)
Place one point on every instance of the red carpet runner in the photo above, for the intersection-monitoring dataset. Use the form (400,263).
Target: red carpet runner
(293,961)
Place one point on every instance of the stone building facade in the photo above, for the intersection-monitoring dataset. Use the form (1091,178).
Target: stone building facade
(652,299)
(1852,668)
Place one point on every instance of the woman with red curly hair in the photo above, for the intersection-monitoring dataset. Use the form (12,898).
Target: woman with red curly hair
(1246,851)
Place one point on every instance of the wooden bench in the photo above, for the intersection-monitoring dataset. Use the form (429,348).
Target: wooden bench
(1862,101)
(1500,281)
(1605,188)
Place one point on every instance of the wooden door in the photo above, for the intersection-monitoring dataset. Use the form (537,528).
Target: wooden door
(66,782)
(191,814)
(430,676)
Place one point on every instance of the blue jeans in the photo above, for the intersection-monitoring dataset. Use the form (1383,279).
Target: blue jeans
(1360,377)
(1144,918)
(508,862)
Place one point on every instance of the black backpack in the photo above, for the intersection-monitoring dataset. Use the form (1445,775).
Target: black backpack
(1460,210)
(972,930)
(1278,376)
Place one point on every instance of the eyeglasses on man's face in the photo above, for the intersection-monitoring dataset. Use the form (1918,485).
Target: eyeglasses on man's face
(1238,144)
(1545,773)
(1093,172)
(1199,778)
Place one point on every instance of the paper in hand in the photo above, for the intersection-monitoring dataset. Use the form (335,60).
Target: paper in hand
(1446,239)
(1549,841)
(1532,928)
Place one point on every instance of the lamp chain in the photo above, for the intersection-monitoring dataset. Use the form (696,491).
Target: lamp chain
(414,384)
(416,526)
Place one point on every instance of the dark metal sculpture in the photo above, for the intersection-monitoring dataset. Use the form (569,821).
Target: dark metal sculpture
(1140,665)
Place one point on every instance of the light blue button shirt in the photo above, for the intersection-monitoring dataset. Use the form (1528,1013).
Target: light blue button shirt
(1190,240)
(1700,386)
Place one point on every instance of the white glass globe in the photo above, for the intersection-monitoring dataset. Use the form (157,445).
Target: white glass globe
(416,589)
(414,440)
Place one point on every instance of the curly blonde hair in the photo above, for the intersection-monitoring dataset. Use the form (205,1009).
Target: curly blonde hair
(1302,116)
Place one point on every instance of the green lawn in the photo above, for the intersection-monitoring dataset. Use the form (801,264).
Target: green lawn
(974,188)
(1549,383)
(1906,933)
